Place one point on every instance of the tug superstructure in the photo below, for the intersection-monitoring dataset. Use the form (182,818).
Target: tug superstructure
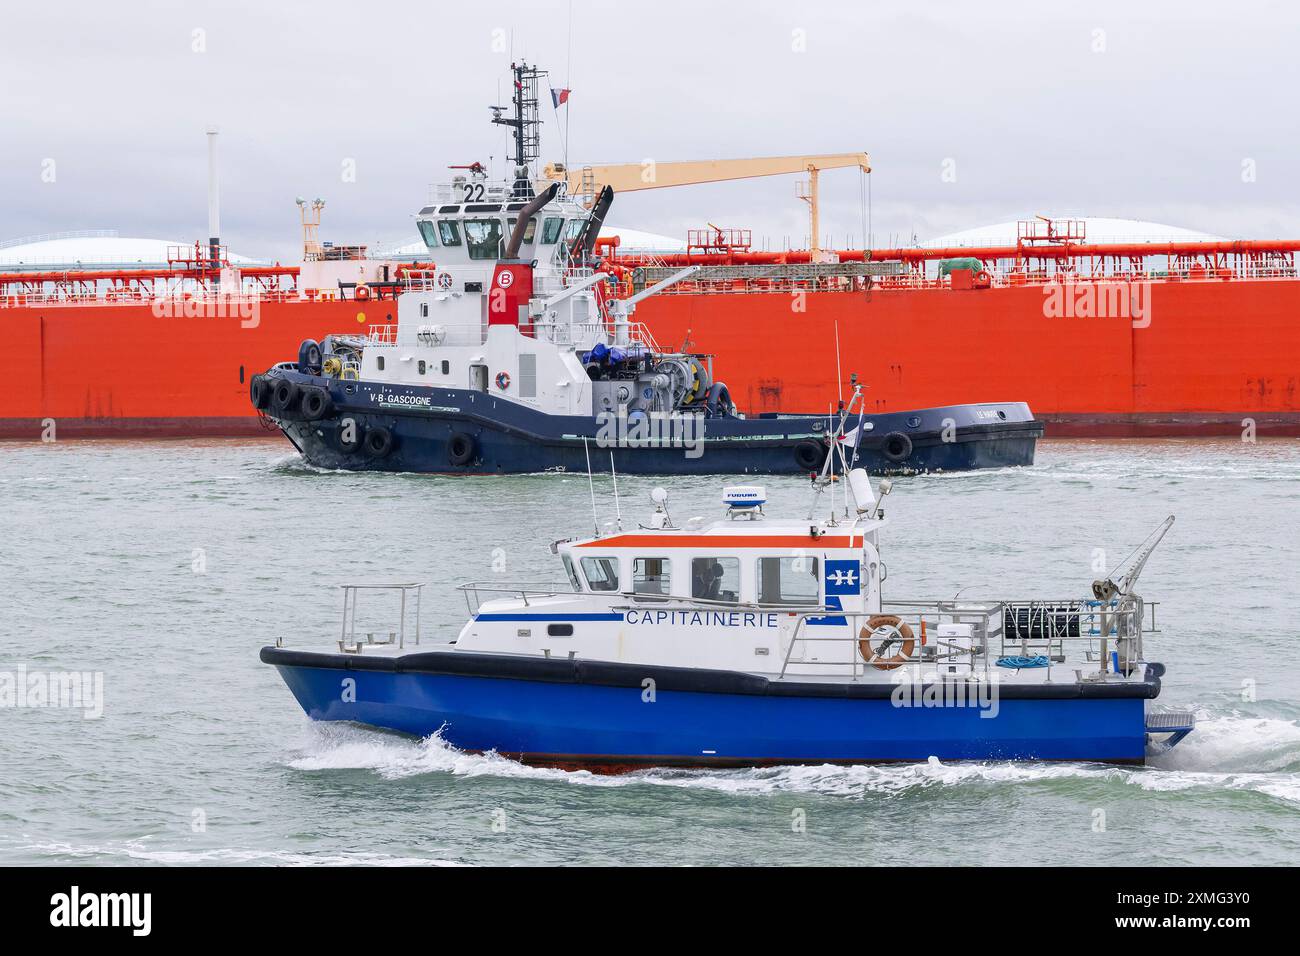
(517,350)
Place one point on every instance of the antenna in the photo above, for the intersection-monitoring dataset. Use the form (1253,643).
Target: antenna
(839,377)
(618,512)
(595,520)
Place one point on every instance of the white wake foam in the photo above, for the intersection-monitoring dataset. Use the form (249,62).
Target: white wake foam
(1233,753)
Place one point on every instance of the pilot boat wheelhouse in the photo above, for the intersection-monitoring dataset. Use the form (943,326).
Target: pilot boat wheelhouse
(516,350)
(750,641)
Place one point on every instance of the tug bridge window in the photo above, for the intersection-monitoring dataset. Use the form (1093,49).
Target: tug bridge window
(652,576)
(449,232)
(428,232)
(602,573)
(715,579)
(483,236)
(574,229)
(788,581)
(530,230)
(551,230)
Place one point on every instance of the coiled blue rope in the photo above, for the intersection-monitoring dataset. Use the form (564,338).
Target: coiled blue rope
(1018,662)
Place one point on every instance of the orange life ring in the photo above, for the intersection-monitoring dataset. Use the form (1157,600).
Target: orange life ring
(868,653)
(362,292)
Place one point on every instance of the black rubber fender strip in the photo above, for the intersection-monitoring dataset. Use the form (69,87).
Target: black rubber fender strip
(681,679)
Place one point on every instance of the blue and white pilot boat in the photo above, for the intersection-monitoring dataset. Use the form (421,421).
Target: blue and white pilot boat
(750,641)
(518,352)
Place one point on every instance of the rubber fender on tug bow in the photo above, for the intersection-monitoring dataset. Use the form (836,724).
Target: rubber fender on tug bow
(809,455)
(461,449)
(349,436)
(259,392)
(896,446)
(378,442)
(315,403)
(284,398)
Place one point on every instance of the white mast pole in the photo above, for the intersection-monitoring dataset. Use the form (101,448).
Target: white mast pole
(618,512)
(591,485)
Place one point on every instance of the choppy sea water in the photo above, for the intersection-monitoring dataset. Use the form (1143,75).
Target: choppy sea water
(166,565)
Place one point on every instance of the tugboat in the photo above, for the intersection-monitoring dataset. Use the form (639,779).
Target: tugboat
(517,352)
(750,641)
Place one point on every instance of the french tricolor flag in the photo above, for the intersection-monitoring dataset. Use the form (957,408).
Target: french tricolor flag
(559,97)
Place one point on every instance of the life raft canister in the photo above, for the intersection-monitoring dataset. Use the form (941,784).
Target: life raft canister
(503,380)
(901,632)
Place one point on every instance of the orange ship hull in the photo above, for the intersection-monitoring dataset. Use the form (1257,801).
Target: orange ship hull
(121,371)
(1214,354)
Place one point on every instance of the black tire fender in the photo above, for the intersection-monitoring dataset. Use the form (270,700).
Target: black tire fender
(461,448)
(315,403)
(809,455)
(378,442)
(896,446)
(284,398)
(259,392)
(350,446)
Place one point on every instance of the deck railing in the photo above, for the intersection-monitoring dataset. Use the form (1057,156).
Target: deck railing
(409,597)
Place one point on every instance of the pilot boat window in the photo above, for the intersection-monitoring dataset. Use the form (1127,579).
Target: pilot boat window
(530,230)
(602,573)
(428,232)
(551,230)
(652,576)
(715,579)
(573,575)
(483,236)
(449,232)
(788,581)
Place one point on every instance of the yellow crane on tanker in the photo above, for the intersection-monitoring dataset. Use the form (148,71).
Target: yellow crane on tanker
(630,177)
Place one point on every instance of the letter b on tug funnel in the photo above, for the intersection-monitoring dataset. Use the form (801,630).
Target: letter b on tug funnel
(512,287)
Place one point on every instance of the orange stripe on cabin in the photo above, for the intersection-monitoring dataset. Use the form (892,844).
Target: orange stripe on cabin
(715,541)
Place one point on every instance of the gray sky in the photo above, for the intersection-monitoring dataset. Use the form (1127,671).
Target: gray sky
(1107,109)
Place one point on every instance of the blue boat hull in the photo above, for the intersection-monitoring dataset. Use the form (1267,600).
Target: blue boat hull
(507,437)
(550,720)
